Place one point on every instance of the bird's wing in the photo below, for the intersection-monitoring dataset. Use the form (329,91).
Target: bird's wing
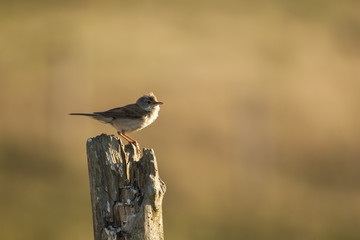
(128,111)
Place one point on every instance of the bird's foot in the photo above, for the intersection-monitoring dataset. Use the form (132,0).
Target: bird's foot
(137,146)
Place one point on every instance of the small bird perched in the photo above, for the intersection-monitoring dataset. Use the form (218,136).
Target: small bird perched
(130,118)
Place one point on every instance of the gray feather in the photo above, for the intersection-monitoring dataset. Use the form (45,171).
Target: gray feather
(96,116)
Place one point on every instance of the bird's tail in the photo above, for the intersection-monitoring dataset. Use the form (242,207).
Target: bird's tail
(83,114)
(96,116)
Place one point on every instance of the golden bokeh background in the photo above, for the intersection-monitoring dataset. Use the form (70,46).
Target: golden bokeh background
(259,136)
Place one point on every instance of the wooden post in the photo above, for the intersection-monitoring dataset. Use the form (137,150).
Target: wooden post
(126,191)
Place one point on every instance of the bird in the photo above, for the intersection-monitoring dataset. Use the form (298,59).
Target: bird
(131,117)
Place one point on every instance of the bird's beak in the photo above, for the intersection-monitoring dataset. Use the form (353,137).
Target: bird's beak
(158,103)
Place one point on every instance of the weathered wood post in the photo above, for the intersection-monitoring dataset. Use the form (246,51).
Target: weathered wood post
(126,191)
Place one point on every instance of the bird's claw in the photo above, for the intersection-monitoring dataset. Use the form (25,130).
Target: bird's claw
(137,146)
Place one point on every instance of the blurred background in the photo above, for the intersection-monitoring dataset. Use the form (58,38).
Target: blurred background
(259,136)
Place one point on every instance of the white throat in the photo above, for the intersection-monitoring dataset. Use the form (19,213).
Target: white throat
(153,116)
(149,108)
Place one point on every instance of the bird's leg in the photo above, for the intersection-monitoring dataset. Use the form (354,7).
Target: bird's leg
(130,140)
(122,135)
(127,138)
(133,141)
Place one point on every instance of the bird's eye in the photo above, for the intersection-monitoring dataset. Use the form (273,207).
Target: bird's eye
(148,101)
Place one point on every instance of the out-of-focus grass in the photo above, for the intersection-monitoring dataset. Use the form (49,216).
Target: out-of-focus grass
(41,197)
(258,138)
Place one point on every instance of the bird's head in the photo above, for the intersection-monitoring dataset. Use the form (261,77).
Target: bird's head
(148,102)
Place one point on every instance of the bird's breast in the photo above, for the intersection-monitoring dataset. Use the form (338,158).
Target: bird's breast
(152,116)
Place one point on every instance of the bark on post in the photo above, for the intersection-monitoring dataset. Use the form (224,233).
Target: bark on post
(126,191)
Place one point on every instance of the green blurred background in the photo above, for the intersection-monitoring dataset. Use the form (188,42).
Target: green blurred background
(259,136)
